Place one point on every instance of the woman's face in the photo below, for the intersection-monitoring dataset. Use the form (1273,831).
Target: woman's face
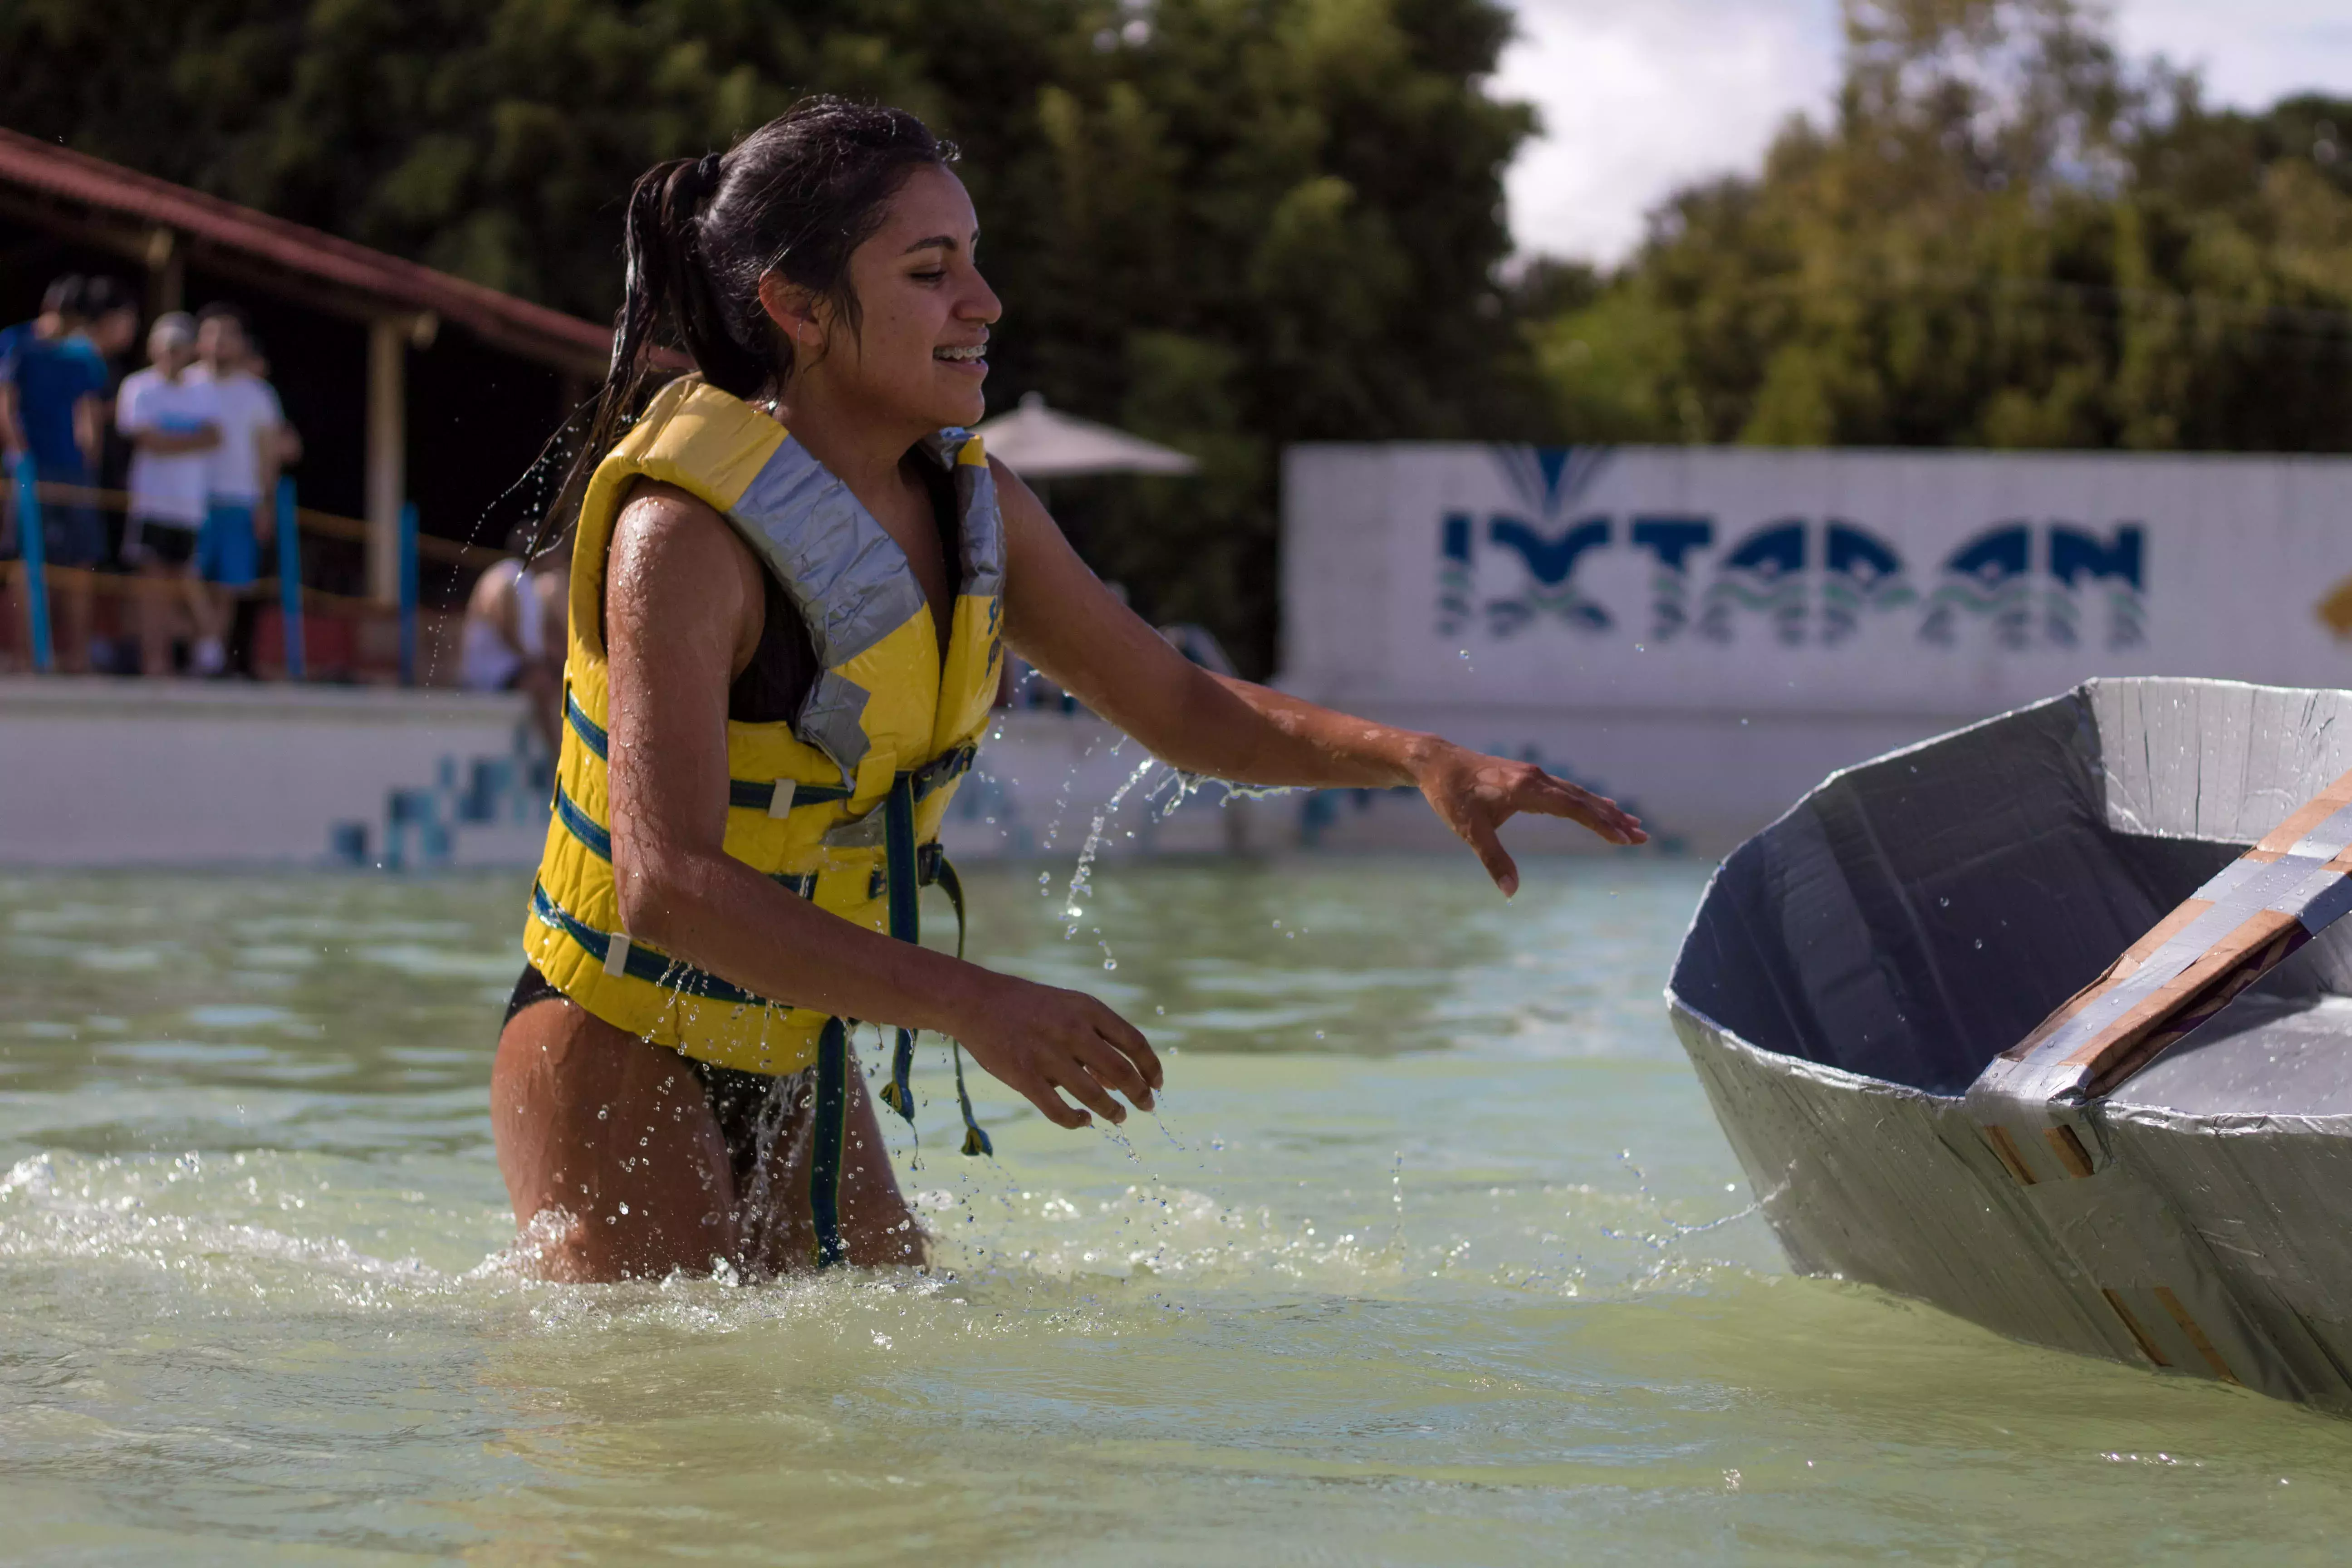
(917,355)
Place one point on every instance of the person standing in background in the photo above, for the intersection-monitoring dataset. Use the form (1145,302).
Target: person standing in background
(173,421)
(53,384)
(240,475)
(111,330)
(110,318)
(514,638)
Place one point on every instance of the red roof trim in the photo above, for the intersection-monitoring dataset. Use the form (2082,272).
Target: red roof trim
(564,340)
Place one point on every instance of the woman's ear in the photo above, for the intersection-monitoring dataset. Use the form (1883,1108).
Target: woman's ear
(794,311)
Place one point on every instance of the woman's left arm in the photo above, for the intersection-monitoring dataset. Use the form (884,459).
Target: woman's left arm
(1060,618)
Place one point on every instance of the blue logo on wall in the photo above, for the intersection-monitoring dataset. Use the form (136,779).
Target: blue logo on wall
(1798,580)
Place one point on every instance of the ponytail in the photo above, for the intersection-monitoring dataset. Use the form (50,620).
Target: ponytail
(795,197)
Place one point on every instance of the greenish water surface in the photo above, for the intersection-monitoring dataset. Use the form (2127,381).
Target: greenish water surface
(1436,1254)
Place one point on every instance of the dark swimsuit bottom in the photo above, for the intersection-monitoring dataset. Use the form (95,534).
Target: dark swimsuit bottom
(738,1100)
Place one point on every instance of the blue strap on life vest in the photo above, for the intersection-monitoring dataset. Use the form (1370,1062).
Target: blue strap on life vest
(975,1138)
(599,843)
(754,795)
(582,826)
(638,961)
(901,885)
(829,1117)
(910,866)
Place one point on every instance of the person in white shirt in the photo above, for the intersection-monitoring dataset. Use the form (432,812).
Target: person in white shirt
(241,475)
(173,422)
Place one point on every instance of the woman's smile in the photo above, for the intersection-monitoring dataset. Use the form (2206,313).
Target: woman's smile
(971,358)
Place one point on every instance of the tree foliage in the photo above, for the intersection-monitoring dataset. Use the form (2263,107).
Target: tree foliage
(2006,235)
(1226,223)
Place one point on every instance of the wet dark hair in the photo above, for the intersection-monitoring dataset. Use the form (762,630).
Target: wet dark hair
(795,197)
(102,296)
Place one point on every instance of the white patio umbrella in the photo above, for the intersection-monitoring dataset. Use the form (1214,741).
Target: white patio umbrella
(1040,443)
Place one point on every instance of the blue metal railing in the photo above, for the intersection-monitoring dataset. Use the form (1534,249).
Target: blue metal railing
(34,546)
(289,576)
(408,595)
(25,491)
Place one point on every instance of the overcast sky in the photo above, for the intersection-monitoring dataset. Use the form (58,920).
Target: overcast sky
(1639,96)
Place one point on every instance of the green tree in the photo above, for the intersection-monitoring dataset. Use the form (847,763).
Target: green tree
(2006,235)
(1229,224)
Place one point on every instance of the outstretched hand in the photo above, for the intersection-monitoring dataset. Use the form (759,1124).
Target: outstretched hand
(1039,1039)
(1476,794)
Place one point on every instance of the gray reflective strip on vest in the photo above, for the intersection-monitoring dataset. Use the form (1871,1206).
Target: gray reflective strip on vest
(849,579)
(983,531)
(847,576)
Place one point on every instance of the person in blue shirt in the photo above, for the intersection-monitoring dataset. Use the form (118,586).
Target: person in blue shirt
(52,385)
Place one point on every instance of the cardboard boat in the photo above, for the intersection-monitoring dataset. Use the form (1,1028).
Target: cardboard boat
(2047,1022)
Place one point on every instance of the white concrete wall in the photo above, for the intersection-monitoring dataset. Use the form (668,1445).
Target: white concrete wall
(97,772)
(114,773)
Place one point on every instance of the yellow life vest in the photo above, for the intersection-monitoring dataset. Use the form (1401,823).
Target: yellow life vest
(843,801)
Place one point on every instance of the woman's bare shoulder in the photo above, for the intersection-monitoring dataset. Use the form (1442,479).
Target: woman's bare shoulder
(662,522)
(673,554)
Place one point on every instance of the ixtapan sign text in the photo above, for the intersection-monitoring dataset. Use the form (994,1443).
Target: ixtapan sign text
(1793,578)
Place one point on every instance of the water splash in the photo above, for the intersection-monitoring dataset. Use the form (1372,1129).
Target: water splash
(1081,877)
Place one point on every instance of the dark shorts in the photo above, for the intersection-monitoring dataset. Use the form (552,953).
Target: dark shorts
(69,534)
(149,542)
(76,536)
(741,1101)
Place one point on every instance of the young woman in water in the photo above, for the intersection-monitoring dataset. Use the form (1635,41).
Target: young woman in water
(793,576)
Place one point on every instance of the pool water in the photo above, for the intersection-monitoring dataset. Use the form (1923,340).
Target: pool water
(1436,1254)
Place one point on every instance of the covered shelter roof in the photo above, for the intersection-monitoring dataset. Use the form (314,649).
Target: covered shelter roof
(1041,443)
(154,221)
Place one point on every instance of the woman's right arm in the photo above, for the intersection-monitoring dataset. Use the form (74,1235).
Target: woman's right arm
(682,598)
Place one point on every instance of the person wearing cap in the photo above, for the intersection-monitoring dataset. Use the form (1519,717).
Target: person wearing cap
(53,411)
(173,421)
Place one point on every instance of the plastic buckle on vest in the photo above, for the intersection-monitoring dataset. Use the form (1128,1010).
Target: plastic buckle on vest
(781,803)
(617,954)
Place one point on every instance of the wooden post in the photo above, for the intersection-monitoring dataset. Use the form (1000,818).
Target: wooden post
(387,456)
(167,273)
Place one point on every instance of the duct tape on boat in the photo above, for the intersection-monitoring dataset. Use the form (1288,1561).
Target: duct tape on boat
(2244,921)
(2049,1148)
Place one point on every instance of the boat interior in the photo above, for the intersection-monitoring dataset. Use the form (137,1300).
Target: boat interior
(1918,915)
